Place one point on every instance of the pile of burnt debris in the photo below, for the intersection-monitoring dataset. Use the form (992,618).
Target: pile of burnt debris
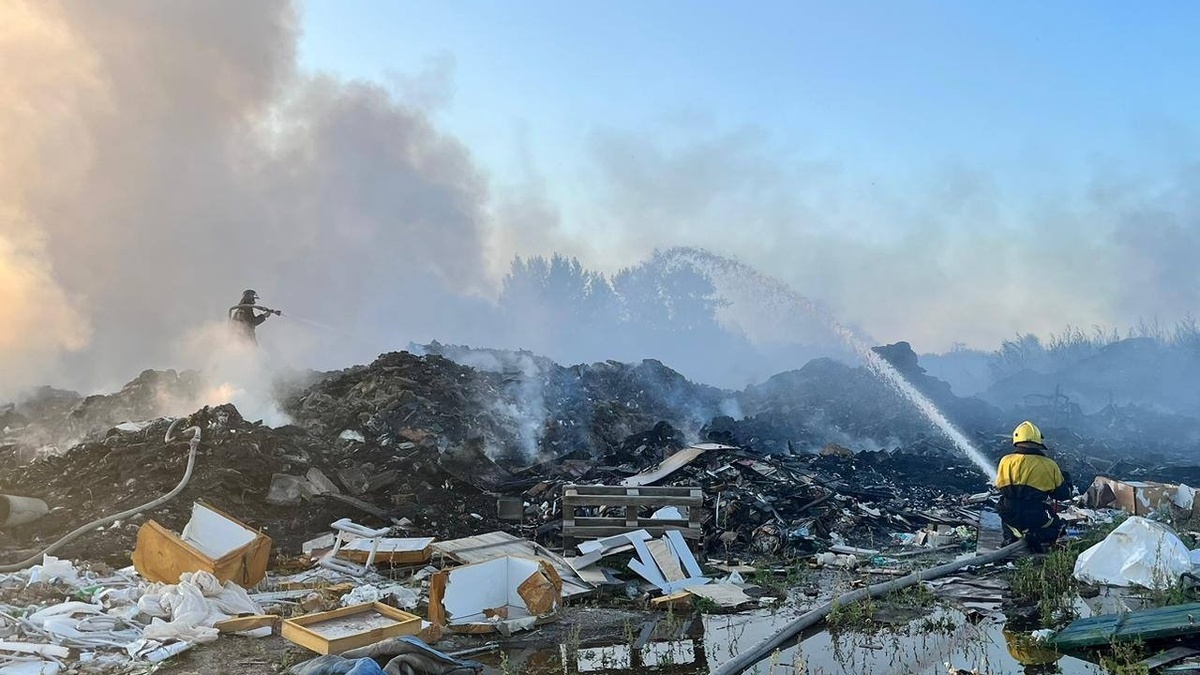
(430,442)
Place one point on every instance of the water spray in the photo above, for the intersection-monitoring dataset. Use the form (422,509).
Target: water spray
(729,273)
(277,312)
(310,322)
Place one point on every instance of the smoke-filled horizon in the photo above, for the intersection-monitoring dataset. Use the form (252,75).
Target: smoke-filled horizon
(165,156)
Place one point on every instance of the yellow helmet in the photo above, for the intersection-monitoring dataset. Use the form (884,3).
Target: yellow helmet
(1026,432)
(1027,651)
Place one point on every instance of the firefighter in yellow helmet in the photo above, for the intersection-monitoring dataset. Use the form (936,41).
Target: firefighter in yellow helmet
(1036,658)
(1028,482)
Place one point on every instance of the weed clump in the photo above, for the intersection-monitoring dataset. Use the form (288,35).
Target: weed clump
(1049,583)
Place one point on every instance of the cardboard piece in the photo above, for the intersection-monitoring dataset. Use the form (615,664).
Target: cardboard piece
(350,627)
(725,596)
(660,550)
(672,464)
(1138,498)
(677,558)
(501,594)
(411,551)
(211,542)
(490,545)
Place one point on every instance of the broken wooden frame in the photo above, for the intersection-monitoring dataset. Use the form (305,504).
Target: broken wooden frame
(350,627)
(211,542)
(631,500)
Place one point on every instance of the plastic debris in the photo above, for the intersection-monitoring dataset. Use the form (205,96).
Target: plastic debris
(1139,552)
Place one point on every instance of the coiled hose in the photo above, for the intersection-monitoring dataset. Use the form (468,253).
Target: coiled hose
(193,445)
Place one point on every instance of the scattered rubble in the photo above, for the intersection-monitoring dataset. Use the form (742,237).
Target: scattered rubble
(488,492)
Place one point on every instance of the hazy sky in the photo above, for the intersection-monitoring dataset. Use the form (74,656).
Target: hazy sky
(922,147)
(931,172)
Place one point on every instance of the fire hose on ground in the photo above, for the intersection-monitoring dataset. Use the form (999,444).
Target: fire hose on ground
(170,437)
(766,647)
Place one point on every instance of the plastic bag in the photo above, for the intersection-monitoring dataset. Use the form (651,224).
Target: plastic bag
(54,569)
(1139,552)
(187,611)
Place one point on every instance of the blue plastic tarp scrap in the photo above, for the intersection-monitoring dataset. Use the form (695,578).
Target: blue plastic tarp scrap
(408,654)
(332,664)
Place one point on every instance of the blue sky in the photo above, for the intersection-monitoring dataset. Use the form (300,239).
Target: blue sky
(886,87)
(967,132)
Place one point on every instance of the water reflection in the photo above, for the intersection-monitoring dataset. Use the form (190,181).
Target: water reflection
(693,645)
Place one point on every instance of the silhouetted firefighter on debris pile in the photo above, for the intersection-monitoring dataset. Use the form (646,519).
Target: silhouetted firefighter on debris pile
(244,321)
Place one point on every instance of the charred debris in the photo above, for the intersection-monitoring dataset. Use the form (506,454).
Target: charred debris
(817,456)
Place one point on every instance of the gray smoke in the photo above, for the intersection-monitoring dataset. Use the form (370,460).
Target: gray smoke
(168,155)
(956,255)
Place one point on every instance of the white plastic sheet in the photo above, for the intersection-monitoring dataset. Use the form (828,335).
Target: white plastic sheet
(405,598)
(83,626)
(54,569)
(1139,552)
(28,666)
(187,611)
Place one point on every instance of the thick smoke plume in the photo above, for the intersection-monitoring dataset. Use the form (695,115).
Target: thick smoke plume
(160,157)
(164,156)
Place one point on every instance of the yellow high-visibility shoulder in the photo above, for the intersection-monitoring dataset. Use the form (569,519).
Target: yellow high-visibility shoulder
(1036,471)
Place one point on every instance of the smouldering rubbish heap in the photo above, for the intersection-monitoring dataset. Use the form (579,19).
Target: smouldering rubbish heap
(416,449)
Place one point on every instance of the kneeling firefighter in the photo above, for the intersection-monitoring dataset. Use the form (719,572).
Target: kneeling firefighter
(1029,482)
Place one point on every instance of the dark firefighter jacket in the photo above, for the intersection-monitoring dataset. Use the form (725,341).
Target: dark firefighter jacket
(246,321)
(1027,477)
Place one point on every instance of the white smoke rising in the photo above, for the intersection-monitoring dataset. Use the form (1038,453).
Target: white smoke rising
(957,255)
(235,371)
(731,408)
(524,403)
(167,155)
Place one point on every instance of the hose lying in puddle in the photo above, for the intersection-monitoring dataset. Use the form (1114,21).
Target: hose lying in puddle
(193,444)
(765,648)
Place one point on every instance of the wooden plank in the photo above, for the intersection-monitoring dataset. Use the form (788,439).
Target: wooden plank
(631,512)
(482,547)
(574,491)
(244,623)
(633,500)
(638,523)
(676,600)
(1169,656)
(408,550)
(727,596)
(598,531)
(664,557)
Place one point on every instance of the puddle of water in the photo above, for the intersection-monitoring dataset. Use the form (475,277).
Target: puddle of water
(697,644)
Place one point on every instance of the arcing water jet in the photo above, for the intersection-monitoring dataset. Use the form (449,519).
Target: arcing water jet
(738,283)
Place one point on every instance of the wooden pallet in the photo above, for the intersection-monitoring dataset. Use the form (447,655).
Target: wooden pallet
(630,501)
